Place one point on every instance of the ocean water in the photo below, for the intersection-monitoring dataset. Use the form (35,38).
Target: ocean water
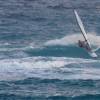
(39,55)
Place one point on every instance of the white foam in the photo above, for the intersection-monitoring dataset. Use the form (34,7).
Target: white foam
(5,47)
(38,66)
(73,39)
(36,62)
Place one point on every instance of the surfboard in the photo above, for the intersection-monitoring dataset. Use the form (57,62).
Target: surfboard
(91,52)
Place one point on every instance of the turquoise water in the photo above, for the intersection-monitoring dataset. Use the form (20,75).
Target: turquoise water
(39,55)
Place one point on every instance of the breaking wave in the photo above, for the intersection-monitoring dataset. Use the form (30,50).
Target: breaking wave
(49,67)
(72,40)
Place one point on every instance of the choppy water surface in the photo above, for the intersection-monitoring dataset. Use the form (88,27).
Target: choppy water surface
(39,56)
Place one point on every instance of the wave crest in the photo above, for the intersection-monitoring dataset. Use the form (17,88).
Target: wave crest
(73,39)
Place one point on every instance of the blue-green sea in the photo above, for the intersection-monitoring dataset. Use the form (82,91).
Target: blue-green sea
(39,54)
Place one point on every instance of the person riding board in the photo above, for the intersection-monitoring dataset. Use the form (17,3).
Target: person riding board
(83,44)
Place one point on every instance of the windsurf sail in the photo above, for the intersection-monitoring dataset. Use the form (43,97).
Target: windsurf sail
(82,28)
(90,51)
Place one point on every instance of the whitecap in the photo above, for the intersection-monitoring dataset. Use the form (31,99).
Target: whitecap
(73,39)
(48,67)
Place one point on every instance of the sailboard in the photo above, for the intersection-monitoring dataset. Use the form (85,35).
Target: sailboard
(91,52)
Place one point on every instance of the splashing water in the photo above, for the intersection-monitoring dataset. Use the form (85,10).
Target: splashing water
(73,40)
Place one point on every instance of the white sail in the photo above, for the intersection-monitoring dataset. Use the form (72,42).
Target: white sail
(91,52)
(81,27)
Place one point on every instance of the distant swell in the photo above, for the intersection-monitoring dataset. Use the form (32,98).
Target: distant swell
(50,89)
(84,97)
(17,97)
